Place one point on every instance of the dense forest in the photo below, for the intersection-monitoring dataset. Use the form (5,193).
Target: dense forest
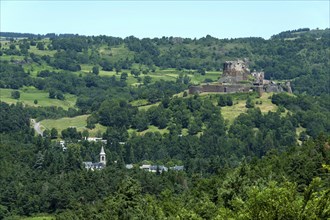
(258,165)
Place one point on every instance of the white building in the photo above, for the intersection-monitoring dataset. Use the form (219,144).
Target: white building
(99,165)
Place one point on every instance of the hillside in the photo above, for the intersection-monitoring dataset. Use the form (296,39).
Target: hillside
(78,74)
(58,76)
(160,152)
(279,57)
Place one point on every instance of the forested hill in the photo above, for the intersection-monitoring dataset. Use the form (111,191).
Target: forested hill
(241,155)
(29,35)
(302,55)
(302,32)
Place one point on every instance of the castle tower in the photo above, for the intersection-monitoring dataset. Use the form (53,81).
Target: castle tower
(102,157)
(235,71)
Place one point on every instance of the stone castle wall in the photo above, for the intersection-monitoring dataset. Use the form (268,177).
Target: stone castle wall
(219,88)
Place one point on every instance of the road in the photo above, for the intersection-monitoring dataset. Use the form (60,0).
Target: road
(36,126)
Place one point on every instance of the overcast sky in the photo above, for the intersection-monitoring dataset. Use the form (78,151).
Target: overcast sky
(221,19)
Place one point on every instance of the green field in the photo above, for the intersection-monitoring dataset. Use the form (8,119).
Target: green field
(11,57)
(35,50)
(151,128)
(146,107)
(120,52)
(231,112)
(171,74)
(139,102)
(29,94)
(34,68)
(60,124)
(78,122)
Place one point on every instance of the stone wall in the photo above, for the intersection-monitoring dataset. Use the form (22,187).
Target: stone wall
(258,77)
(277,87)
(232,88)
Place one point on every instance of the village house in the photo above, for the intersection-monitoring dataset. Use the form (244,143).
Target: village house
(159,168)
(96,139)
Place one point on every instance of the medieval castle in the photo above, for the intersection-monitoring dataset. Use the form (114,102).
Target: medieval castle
(238,78)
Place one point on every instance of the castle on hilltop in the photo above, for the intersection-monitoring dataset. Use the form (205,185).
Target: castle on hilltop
(237,77)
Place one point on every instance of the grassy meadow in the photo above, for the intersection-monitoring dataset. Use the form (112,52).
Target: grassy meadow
(78,122)
(29,94)
(231,112)
(34,68)
(60,124)
(151,128)
(239,101)
(36,51)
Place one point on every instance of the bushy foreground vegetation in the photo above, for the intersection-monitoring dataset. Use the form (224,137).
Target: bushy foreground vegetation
(253,168)
(292,183)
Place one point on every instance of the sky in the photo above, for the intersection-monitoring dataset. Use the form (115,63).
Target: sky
(193,19)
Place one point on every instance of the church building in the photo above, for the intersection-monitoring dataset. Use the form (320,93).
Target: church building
(99,165)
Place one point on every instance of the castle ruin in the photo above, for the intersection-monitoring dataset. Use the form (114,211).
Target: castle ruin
(237,77)
(235,71)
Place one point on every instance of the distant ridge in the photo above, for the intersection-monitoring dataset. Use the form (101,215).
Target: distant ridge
(285,34)
(29,35)
(302,32)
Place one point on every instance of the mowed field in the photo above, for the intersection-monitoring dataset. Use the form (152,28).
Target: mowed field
(29,94)
(231,112)
(78,122)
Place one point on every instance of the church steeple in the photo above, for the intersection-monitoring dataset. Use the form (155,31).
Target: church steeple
(102,156)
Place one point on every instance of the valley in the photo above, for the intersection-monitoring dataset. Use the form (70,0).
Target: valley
(101,127)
